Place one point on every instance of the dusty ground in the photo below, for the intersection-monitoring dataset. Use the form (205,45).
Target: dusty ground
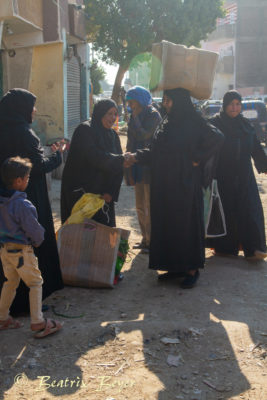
(115,350)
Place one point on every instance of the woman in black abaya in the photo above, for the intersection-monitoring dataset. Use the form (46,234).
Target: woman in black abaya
(180,147)
(17,108)
(237,184)
(94,163)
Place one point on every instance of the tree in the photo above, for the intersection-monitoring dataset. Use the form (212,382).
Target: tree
(122,29)
(97,74)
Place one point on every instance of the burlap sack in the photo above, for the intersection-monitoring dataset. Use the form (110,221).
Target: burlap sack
(175,65)
(88,253)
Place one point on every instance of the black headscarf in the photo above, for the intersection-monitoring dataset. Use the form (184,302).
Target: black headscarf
(105,137)
(234,126)
(100,109)
(229,97)
(17,104)
(182,105)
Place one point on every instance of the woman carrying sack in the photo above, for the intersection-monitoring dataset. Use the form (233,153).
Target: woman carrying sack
(180,148)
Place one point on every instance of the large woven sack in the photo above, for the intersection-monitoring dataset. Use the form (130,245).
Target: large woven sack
(88,253)
(177,66)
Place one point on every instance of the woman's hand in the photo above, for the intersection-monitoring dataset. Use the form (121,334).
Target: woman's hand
(129,160)
(195,164)
(58,146)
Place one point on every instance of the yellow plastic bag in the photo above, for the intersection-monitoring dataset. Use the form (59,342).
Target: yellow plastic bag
(86,207)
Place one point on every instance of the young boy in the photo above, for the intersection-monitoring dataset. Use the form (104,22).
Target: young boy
(19,231)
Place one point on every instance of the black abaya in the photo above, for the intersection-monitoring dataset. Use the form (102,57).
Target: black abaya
(177,222)
(238,188)
(18,139)
(94,165)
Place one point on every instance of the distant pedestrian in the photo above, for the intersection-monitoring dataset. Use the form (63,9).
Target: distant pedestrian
(237,184)
(142,125)
(20,230)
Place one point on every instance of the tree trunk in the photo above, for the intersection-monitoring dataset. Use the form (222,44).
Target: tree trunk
(117,84)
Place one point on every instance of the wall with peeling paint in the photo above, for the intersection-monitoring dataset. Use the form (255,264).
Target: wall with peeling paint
(46,82)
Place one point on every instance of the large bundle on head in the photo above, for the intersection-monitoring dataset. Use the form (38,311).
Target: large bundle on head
(175,65)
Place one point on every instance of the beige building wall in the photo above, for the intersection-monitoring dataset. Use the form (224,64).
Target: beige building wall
(222,83)
(17,69)
(32,11)
(46,82)
(6,8)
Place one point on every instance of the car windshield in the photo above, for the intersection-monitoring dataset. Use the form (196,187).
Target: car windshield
(212,109)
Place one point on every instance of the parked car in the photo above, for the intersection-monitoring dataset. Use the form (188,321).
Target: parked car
(211,107)
(255,111)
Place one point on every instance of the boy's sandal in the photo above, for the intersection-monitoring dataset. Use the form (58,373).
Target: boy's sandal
(51,326)
(10,323)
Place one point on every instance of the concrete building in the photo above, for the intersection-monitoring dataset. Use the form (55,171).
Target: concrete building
(44,50)
(251,47)
(222,40)
(241,41)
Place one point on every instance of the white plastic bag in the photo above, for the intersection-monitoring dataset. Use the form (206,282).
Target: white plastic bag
(214,217)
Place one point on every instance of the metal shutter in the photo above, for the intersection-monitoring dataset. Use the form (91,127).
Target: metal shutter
(74,94)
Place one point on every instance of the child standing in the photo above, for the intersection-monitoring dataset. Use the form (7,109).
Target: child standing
(19,231)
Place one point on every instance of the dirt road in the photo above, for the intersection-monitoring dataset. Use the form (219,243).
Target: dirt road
(145,340)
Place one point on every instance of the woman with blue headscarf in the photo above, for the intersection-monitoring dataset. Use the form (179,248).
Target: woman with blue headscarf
(142,125)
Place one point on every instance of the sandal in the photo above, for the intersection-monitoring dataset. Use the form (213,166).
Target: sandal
(257,256)
(51,326)
(10,323)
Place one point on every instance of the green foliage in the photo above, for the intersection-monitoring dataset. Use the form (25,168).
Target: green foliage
(97,74)
(121,29)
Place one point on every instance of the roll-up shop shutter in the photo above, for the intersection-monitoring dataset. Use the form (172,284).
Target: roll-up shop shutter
(74,94)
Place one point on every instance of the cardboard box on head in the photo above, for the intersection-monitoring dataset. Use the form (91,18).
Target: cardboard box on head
(175,65)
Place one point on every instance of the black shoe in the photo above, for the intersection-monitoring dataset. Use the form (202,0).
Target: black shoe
(171,275)
(190,280)
(139,246)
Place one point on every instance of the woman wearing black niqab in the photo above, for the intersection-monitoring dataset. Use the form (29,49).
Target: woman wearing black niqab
(237,184)
(180,148)
(18,139)
(94,163)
